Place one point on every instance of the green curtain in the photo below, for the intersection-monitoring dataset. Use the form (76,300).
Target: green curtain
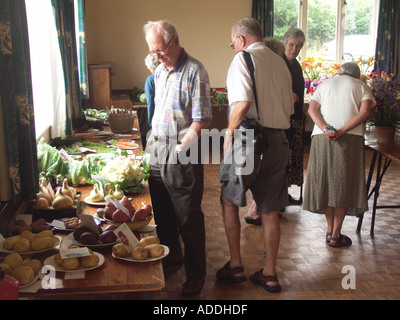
(17,100)
(83,71)
(65,24)
(387,45)
(263,12)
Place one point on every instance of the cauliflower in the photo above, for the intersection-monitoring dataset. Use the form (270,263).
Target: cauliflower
(123,168)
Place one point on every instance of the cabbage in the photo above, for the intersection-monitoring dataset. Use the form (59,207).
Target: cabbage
(143,97)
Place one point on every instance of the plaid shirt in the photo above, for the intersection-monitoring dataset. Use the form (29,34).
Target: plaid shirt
(182,96)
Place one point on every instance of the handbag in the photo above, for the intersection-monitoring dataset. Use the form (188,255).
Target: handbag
(260,141)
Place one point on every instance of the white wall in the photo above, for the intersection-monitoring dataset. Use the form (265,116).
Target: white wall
(114,33)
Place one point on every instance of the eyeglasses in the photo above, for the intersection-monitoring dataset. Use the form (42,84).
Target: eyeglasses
(232,45)
(161,51)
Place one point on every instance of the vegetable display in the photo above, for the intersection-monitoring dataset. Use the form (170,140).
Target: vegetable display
(96,114)
(125,174)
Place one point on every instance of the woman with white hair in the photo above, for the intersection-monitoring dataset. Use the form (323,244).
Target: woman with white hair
(335,183)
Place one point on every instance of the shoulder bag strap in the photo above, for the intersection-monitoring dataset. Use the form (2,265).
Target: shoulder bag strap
(250,66)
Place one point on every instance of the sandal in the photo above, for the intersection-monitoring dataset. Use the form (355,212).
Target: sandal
(261,280)
(328,237)
(341,241)
(256,222)
(228,275)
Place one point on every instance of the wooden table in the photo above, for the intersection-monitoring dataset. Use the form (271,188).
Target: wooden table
(114,276)
(384,153)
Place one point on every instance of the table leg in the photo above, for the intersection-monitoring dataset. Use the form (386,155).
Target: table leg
(369,179)
(376,193)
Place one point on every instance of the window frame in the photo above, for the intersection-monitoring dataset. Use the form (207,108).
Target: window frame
(340,26)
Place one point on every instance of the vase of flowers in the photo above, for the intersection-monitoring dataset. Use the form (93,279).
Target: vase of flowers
(386,113)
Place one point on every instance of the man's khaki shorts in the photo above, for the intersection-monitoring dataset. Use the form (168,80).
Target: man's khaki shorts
(267,178)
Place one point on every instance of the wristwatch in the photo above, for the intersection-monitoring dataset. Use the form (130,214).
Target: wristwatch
(228,133)
(178,148)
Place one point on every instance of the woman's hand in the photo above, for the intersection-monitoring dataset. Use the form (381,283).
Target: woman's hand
(330,134)
(337,135)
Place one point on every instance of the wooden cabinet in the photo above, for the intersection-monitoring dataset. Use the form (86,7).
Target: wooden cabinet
(99,86)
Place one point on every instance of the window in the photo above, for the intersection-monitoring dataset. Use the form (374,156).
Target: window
(336,30)
(286,16)
(321,27)
(46,67)
(360,29)
(48,80)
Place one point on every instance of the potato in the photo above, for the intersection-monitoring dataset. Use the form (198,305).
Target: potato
(58,260)
(42,243)
(6,268)
(70,263)
(79,230)
(147,241)
(127,204)
(90,261)
(14,229)
(22,245)
(39,221)
(155,250)
(119,250)
(13,260)
(142,213)
(108,236)
(109,210)
(44,234)
(39,227)
(120,216)
(23,274)
(21,223)
(18,227)
(10,242)
(89,238)
(35,264)
(139,253)
(28,235)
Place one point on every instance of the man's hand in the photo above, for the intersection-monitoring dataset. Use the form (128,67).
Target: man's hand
(228,142)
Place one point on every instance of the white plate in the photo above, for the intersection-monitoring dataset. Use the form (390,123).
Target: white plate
(130,259)
(99,245)
(97,204)
(50,261)
(56,243)
(129,148)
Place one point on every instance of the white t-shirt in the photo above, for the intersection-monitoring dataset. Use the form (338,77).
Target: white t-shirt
(340,98)
(274,86)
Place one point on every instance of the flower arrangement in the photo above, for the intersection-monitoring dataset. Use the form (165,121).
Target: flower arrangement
(365,65)
(219,96)
(312,68)
(318,70)
(386,91)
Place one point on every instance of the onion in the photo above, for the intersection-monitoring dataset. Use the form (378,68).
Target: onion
(62,201)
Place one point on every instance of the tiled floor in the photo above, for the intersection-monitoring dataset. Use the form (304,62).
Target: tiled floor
(307,267)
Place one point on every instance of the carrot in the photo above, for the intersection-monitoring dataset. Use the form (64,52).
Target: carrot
(125,144)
